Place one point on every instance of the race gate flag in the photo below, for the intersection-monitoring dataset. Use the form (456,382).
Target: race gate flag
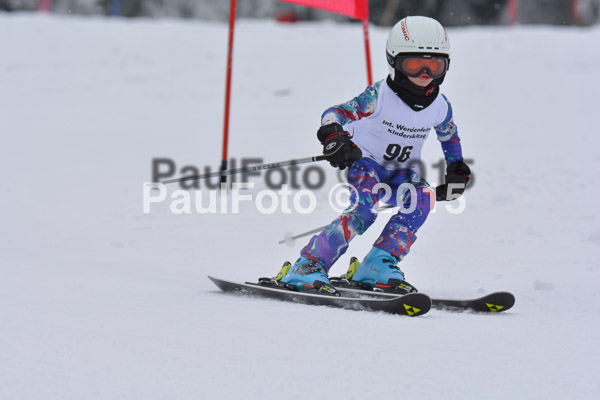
(358,9)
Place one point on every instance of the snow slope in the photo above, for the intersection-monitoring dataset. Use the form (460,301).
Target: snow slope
(101,301)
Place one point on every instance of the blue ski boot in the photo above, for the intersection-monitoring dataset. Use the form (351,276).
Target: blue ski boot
(306,276)
(379,271)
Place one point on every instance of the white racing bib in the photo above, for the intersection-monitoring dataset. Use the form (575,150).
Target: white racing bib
(394,134)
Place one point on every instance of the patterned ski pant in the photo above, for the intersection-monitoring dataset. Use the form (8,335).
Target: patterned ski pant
(400,232)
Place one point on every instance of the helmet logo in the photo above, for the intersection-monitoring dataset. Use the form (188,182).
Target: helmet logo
(404,30)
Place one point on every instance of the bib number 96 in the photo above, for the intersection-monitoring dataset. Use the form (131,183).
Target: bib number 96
(396,152)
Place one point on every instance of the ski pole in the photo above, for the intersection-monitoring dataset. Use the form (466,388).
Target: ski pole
(227,172)
(290,239)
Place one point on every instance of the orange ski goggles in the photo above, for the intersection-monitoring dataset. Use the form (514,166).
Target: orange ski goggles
(414,66)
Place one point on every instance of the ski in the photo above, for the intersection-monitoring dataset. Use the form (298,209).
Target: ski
(413,304)
(494,302)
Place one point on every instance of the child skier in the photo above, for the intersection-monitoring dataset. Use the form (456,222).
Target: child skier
(390,122)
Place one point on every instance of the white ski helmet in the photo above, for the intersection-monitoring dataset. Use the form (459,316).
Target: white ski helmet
(416,36)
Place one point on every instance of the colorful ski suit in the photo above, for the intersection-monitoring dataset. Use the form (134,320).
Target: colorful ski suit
(390,135)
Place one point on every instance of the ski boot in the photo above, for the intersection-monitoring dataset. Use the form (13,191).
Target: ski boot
(379,272)
(305,276)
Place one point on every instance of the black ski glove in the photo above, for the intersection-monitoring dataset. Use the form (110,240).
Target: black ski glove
(338,148)
(457,175)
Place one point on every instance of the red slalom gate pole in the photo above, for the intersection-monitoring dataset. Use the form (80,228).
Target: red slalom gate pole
(45,5)
(575,12)
(513,13)
(365,23)
(232,7)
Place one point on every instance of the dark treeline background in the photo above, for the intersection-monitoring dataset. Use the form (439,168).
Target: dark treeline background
(382,12)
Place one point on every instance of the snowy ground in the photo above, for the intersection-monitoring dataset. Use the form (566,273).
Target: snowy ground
(100,301)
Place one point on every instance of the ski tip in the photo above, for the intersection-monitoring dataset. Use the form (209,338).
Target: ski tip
(498,302)
(221,284)
(213,280)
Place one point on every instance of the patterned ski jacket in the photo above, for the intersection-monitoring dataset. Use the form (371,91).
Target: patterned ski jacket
(390,132)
